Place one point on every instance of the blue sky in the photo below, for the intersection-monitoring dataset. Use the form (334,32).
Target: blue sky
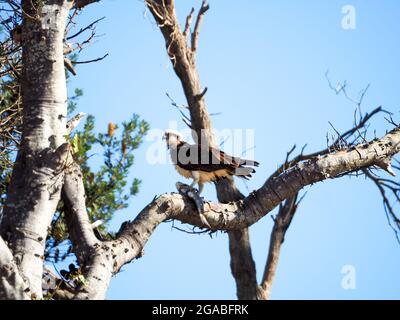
(264,65)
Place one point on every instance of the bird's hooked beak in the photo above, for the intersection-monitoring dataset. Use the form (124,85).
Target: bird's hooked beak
(164,138)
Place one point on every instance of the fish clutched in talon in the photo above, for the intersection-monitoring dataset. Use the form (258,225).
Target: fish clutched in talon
(194,195)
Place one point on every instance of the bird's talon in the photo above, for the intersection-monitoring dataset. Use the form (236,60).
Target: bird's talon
(204,220)
(193,194)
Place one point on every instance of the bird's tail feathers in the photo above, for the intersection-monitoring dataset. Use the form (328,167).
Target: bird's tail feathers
(249,163)
(244,172)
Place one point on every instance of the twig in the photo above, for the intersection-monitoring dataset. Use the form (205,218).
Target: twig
(90,61)
(90,26)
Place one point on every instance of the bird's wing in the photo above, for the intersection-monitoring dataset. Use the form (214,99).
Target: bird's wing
(232,161)
(208,159)
(198,158)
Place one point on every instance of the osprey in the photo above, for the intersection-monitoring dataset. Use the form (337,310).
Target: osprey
(204,163)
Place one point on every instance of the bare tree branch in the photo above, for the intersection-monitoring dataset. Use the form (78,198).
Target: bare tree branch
(189,19)
(184,66)
(281,224)
(91,61)
(79,226)
(333,146)
(88,27)
(393,187)
(195,35)
(242,264)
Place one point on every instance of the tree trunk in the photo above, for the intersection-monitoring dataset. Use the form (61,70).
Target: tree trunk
(37,177)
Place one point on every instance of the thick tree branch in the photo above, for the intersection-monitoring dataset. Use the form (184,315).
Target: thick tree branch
(281,223)
(188,23)
(110,256)
(195,35)
(12,284)
(79,226)
(98,272)
(244,213)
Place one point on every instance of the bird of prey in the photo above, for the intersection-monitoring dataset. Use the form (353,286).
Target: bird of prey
(204,163)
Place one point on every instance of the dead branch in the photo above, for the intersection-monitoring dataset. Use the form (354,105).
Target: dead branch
(195,34)
(93,60)
(82,30)
(188,23)
(281,224)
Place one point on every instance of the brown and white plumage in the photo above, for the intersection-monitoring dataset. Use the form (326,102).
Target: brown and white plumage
(205,164)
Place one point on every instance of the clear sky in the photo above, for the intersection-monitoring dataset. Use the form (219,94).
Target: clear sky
(264,64)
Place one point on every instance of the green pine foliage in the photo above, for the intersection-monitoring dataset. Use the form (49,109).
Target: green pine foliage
(108,187)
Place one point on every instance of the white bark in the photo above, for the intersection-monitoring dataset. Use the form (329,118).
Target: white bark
(37,178)
(12,284)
